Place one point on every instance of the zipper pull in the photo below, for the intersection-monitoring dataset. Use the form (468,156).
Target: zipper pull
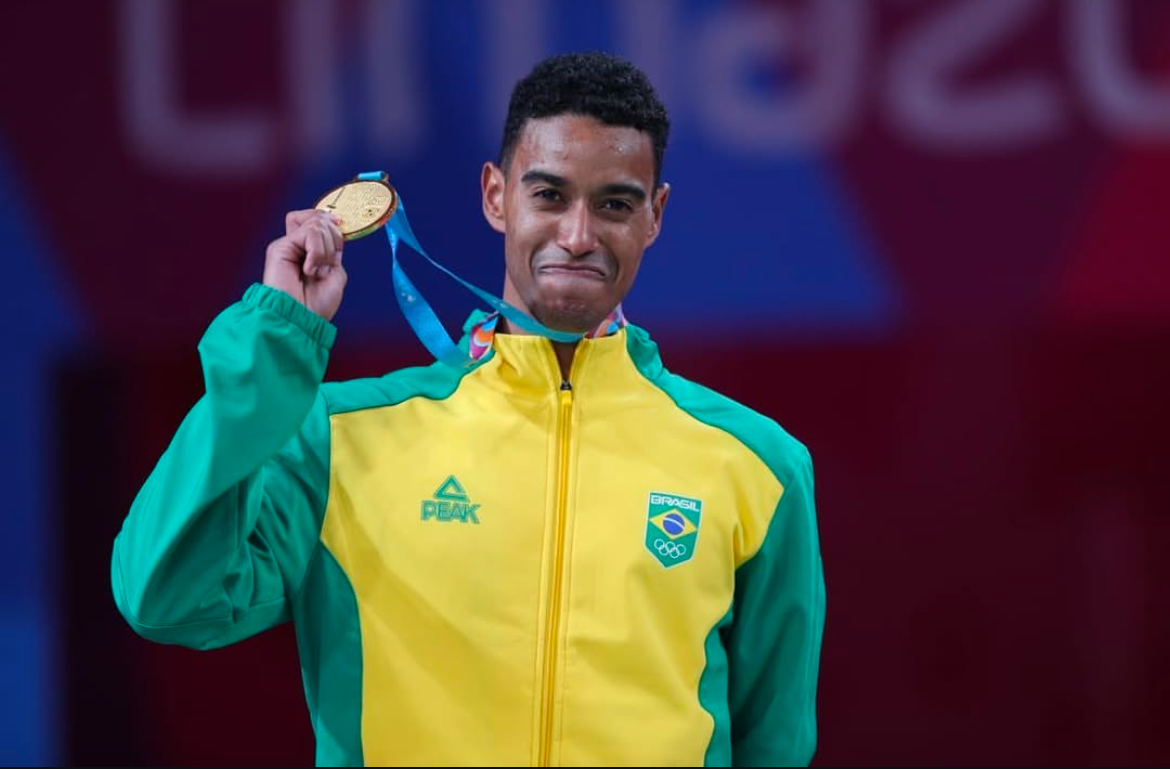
(565,385)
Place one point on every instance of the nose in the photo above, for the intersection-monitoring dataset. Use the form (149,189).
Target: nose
(577,233)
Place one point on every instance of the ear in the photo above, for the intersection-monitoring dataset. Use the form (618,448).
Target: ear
(492,182)
(657,206)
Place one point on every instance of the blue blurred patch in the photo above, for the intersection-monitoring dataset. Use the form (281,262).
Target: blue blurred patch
(41,322)
(27,725)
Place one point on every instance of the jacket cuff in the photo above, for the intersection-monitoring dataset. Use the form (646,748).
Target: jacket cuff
(262,297)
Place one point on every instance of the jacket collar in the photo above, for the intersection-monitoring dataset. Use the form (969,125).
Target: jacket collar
(481,330)
(523,363)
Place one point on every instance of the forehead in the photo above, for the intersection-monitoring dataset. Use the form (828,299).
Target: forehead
(582,148)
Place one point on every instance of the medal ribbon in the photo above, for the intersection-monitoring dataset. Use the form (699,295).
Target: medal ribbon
(418,313)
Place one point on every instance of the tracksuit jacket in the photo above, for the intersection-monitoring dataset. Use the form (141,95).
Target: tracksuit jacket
(490,566)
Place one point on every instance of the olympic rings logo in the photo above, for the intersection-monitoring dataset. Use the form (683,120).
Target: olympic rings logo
(670,549)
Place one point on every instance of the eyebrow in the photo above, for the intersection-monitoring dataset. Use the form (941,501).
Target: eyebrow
(621,188)
(551,179)
(532,177)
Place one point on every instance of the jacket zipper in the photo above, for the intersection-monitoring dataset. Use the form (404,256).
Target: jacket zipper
(564,421)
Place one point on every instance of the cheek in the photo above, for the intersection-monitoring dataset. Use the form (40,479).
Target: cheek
(525,228)
(628,253)
(629,270)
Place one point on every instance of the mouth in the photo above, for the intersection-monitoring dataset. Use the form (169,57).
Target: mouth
(573,270)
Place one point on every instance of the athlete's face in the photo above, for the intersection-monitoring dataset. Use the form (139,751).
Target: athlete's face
(577,207)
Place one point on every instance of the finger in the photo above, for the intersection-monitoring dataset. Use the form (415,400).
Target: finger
(335,241)
(336,275)
(286,249)
(338,238)
(319,252)
(327,250)
(310,237)
(295,219)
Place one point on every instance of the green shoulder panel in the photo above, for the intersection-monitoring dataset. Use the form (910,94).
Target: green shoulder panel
(764,655)
(437,381)
(329,643)
(780,451)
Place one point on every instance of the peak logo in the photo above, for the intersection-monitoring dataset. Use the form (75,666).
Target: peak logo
(450,503)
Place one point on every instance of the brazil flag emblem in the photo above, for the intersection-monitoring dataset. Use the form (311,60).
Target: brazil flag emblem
(672,527)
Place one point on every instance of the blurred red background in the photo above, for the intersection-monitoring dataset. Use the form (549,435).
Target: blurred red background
(928,238)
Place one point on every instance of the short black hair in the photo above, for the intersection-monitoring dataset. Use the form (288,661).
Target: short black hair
(594,83)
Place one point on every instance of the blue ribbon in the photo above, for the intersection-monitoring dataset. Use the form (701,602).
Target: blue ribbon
(422,319)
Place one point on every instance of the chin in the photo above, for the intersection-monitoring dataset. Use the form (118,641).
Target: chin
(574,317)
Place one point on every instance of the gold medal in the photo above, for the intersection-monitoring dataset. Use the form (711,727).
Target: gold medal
(364,205)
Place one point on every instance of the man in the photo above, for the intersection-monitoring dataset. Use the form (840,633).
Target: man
(561,554)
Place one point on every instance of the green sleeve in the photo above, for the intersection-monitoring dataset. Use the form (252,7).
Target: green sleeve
(218,538)
(775,640)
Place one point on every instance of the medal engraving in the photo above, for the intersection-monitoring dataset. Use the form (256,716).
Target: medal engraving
(364,205)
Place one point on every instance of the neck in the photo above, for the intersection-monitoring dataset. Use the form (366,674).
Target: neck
(564,352)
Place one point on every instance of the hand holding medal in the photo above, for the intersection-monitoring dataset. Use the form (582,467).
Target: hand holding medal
(306,262)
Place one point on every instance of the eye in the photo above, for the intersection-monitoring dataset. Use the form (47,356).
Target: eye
(547,194)
(617,205)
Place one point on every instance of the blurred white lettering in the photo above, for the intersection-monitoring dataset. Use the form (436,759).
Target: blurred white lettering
(212,143)
(648,38)
(1125,105)
(1025,109)
(730,43)
(763,80)
(312,73)
(516,38)
(398,123)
